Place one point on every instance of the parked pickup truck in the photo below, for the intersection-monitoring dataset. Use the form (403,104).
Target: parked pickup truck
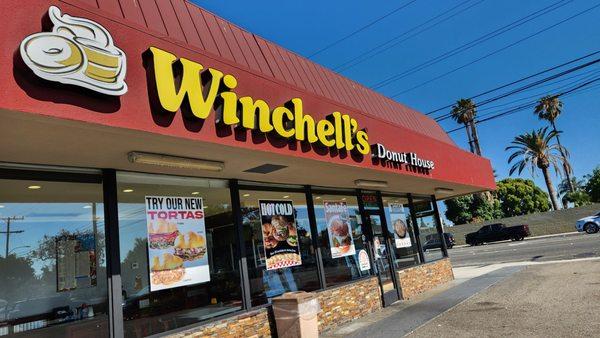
(497,232)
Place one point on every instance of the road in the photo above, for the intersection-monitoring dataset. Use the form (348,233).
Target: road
(543,249)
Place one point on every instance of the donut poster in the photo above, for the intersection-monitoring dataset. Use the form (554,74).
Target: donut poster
(398,220)
(339,228)
(177,248)
(280,234)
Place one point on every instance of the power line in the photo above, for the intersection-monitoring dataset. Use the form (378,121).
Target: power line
(488,36)
(587,74)
(518,81)
(360,29)
(8,220)
(349,63)
(575,90)
(527,86)
(496,51)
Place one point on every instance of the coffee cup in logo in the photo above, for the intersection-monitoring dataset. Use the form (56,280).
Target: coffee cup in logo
(103,64)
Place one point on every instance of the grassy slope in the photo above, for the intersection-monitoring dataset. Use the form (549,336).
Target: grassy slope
(542,223)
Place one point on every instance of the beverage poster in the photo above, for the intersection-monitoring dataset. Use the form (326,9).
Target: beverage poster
(177,251)
(280,234)
(339,229)
(398,220)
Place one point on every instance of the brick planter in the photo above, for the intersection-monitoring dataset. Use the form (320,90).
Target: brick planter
(419,279)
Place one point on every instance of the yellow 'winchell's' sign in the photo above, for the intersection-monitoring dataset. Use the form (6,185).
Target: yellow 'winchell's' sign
(289,121)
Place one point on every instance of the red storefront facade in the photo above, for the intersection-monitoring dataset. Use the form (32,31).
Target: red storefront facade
(61,132)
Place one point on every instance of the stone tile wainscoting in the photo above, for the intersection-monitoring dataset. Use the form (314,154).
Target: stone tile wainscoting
(255,323)
(338,305)
(348,302)
(419,279)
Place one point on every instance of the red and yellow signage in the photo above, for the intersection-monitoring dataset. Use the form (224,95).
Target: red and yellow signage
(206,88)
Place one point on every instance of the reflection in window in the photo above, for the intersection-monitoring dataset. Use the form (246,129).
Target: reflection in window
(53,260)
(400,224)
(428,234)
(148,312)
(265,284)
(342,268)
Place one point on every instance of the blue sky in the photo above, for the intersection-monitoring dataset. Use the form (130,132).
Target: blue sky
(307,26)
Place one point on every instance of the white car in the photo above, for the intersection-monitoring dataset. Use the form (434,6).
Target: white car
(590,224)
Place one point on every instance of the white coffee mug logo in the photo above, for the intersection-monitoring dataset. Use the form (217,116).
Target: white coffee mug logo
(78,52)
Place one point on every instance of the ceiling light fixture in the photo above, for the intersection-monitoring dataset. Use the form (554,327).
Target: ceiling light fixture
(440,190)
(127,190)
(174,161)
(195,192)
(34,187)
(286,196)
(371,184)
(87,206)
(318,197)
(246,195)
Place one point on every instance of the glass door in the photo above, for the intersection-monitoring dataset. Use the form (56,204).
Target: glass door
(382,256)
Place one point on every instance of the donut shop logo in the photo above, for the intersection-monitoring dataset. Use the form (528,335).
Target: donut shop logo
(77,52)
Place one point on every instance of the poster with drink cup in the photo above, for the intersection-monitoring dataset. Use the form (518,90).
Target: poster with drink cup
(280,234)
(177,247)
(398,220)
(339,229)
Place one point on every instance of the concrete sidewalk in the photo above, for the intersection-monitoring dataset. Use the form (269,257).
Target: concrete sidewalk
(405,316)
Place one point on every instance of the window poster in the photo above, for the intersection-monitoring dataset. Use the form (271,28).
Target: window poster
(76,261)
(177,250)
(280,234)
(398,220)
(339,228)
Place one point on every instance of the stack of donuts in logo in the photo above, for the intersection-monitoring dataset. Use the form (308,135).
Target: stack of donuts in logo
(77,51)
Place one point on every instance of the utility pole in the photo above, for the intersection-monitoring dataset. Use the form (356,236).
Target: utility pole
(8,232)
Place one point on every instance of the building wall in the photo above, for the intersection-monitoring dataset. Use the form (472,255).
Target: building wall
(421,278)
(338,305)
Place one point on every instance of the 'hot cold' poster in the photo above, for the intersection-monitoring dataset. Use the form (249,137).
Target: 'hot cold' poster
(280,234)
(177,251)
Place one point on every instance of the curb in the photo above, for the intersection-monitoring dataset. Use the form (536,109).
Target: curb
(564,234)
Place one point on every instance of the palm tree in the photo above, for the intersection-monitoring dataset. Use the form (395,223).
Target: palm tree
(464,112)
(549,108)
(535,150)
(564,187)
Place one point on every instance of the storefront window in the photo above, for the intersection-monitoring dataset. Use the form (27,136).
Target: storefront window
(53,259)
(279,249)
(400,224)
(428,234)
(340,237)
(178,252)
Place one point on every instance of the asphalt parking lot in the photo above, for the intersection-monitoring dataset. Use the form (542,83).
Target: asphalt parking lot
(542,249)
(547,300)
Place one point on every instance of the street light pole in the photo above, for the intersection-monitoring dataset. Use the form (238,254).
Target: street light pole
(8,232)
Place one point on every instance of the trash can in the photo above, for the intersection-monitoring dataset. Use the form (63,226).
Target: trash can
(296,315)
